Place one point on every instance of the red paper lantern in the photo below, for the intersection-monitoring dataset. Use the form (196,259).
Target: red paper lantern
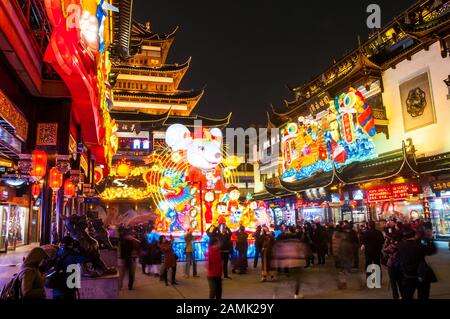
(55,179)
(69,188)
(35,190)
(38,163)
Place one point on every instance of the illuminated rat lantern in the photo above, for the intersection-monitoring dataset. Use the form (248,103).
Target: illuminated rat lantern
(203,150)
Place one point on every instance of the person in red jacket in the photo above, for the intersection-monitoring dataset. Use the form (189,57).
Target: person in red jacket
(214,269)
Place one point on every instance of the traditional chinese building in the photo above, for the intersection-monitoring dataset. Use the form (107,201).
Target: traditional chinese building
(358,141)
(146,83)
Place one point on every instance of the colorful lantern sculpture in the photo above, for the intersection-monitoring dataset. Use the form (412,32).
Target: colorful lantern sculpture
(38,163)
(55,179)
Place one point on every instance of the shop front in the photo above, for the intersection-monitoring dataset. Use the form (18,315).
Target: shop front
(283,211)
(400,201)
(349,205)
(14,220)
(313,207)
(439,206)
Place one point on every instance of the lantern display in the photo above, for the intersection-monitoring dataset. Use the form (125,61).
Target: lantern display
(98,175)
(38,163)
(69,188)
(123,168)
(55,179)
(35,190)
(147,176)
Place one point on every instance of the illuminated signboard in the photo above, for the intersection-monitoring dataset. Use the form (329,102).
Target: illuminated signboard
(404,190)
(341,136)
(397,191)
(379,193)
(441,186)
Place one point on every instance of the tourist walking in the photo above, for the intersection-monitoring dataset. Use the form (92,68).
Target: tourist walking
(223,234)
(128,252)
(259,240)
(170,260)
(392,261)
(144,253)
(241,247)
(190,255)
(372,245)
(214,269)
(266,256)
(320,241)
(343,253)
(155,261)
(416,273)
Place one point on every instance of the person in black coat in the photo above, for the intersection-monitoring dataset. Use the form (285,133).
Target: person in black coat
(417,275)
(144,257)
(372,242)
(320,241)
(155,259)
(259,240)
(241,247)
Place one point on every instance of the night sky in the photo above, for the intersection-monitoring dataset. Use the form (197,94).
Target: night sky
(247,51)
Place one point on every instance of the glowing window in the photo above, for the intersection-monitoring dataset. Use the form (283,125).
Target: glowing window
(146,145)
(136,144)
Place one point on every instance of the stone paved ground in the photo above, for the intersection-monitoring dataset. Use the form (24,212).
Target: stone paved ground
(318,282)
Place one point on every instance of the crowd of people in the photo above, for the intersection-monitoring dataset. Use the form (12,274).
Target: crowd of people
(401,247)
(282,251)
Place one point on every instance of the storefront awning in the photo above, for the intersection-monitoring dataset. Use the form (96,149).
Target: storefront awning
(315,181)
(386,166)
(434,164)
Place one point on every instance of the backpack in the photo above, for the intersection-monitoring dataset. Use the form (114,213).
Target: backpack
(12,290)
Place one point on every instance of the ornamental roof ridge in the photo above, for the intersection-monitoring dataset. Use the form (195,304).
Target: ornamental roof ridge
(171,67)
(178,94)
(139,30)
(440,14)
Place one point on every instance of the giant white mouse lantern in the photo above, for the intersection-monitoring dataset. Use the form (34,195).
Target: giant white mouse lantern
(203,147)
